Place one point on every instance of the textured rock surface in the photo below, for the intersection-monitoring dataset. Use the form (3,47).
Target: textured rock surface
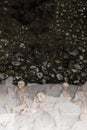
(44,41)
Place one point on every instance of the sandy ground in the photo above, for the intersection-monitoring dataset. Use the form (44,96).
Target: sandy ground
(43,107)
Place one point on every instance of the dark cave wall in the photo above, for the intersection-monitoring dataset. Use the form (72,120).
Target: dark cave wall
(44,43)
(22,10)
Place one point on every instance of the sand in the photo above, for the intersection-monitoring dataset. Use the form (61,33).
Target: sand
(43,107)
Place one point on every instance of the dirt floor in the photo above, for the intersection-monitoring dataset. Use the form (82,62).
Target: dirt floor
(43,107)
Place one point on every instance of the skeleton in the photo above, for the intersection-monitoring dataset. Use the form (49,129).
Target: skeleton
(65,85)
(81,101)
(21,93)
(39,97)
(80,96)
(66,94)
(21,84)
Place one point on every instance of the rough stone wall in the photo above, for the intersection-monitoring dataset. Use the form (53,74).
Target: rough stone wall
(44,42)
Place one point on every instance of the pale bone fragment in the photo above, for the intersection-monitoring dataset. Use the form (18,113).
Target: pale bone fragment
(83,115)
(23,98)
(26,101)
(78,103)
(5,89)
(25,111)
(65,95)
(65,85)
(80,95)
(12,109)
(19,109)
(80,99)
(84,87)
(9,108)
(6,106)
(39,97)
(21,84)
